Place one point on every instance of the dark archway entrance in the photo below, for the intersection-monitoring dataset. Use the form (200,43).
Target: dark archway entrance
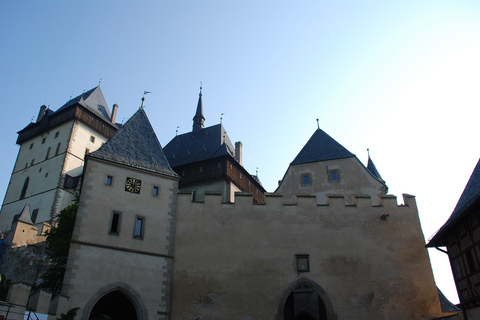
(112,306)
(305,300)
(304,303)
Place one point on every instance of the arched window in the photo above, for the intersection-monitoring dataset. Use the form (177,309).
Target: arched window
(25,187)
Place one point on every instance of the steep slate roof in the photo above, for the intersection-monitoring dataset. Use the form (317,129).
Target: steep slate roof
(136,145)
(199,145)
(373,170)
(321,147)
(25,215)
(470,195)
(94,101)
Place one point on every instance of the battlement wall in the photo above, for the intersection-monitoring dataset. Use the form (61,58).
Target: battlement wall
(305,201)
(369,258)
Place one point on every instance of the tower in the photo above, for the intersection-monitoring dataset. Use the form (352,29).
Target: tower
(121,252)
(49,164)
(207,161)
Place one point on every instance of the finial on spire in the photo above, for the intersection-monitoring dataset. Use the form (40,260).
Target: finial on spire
(176,131)
(257,172)
(368,152)
(99,81)
(199,119)
(143,98)
(221,117)
(318,124)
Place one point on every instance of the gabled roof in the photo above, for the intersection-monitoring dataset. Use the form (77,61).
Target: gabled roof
(25,215)
(470,195)
(321,147)
(199,145)
(94,101)
(136,145)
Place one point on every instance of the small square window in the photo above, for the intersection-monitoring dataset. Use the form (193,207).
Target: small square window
(303,262)
(334,175)
(155,191)
(56,134)
(109,180)
(43,140)
(139,226)
(306,180)
(31,146)
(92,139)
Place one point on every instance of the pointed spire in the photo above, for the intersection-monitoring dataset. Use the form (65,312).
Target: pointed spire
(25,215)
(199,119)
(371,167)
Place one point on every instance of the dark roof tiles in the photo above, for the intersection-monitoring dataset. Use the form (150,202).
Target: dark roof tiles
(94,101)
(470,195)
(136,145)
(321,147)
(199,145)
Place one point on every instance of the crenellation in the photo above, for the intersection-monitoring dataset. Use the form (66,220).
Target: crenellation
(387,201)
(306,200)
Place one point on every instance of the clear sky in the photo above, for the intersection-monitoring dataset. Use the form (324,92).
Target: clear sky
(401,78)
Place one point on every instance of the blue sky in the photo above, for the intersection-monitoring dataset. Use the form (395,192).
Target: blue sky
(400,78)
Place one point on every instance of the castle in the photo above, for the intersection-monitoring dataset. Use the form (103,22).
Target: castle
(185,232)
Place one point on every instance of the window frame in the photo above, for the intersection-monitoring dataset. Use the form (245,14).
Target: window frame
(139,235)
(115,220)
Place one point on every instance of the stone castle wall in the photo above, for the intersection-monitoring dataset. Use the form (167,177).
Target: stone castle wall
(239,260)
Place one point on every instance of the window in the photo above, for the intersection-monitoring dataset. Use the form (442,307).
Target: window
(43,140)
(115,223)
(303,262)
(33,162)
(139,226)
(58,149)
(201,169)
(334,175)
(92,139)
(306,179)
(155,191)
(26,165)
(219,165)
(109,180)
(34,215)
(25,187)
(46,174)
(56,134)
(48,153)
(31,146)
(472,266)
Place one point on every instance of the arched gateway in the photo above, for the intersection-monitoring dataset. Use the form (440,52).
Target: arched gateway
(116,301)
(305,300)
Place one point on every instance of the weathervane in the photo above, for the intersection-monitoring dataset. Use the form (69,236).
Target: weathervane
(143,98)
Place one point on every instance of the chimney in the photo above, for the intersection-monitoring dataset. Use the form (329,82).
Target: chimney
(41,113)
(238,152)
(114,112)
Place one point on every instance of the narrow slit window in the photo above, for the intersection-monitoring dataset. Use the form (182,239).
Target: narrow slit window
(155,191)
(58,149)
(109,180)
(48,153)
(115,224)
(139,226)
